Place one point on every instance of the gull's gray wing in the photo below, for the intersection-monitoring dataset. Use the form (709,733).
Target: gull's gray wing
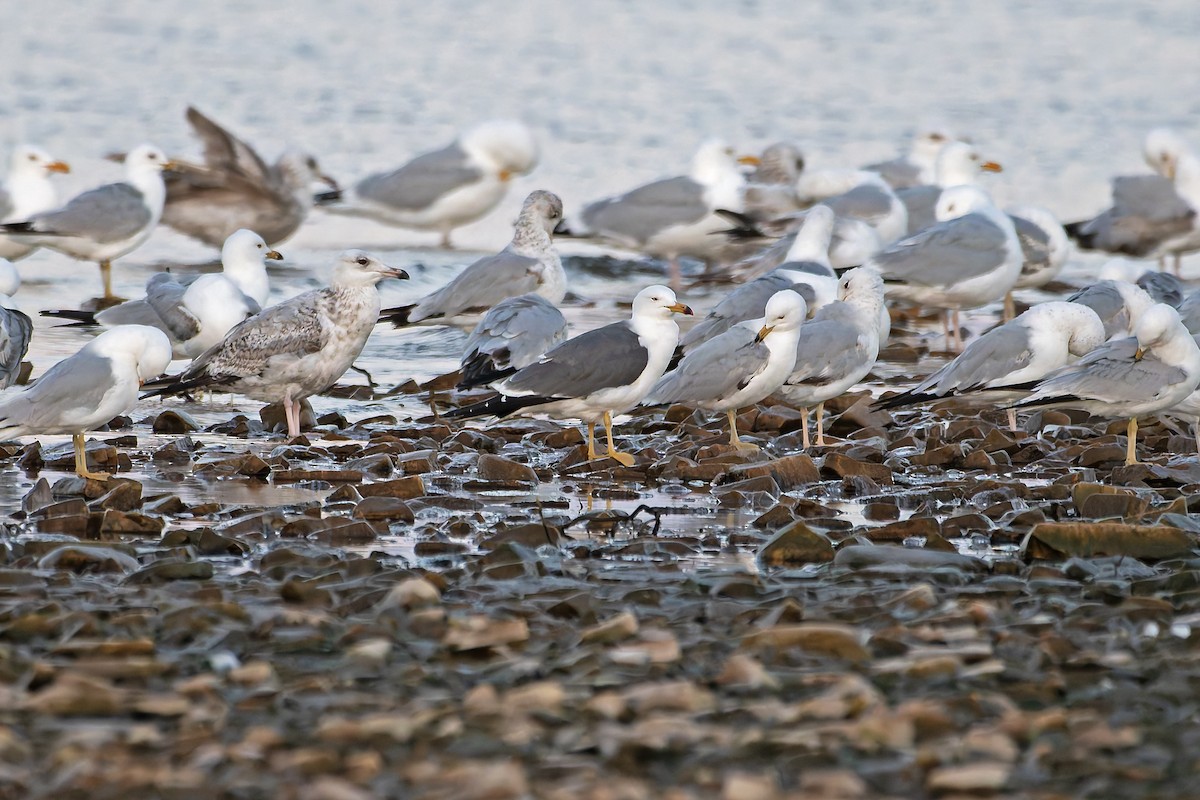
(606,357)
(1035,243)
(1110,374)
(716,369)
(640,214)
(1104,298)
(517,331)
(16,329)
(72,388)
(1189,312)
(6,203)
(998,353)
(947,253)
(422,181)
(1162,286)
(106,214)
(1146,211)
(831,346)
(866,202)
(899,173)
(165,296)
(748,301)
(481,285)
(921,202)
(1151,197)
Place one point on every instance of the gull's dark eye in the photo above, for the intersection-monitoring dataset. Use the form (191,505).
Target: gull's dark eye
(32,157)
(362,261)
(936,137)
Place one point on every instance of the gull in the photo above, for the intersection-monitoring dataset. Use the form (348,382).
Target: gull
(196,314)
(1044,248)
(447,188)
(671,217)
(1002,362)
(739,367)
(596,374)
(27,190)
(297,348)
(771,189)
(88,389)
(1119,304)
(528,264)
(918,166)
(16,328)
(838,347)
(806,271)
(1190,407)
(1152,371)
(970,258)
(234,188)
(513,334)
(958,164)
(1189,312)
(106,222)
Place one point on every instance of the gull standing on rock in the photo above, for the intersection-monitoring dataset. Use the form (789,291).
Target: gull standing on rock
(671,217)
(837,348)
(528,264)
(234,188)
(196,314)
(448,188)
(27,190)
(1152,371)
(740,367)
(16,329)
(107,222)
(597,374)
(297,348)
(970,258)
(88,389)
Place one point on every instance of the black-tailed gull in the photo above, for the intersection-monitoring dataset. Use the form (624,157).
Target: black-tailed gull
(1152,371)
(597,374)
(234,188)
(106,222)
(838,347)
(739,367)
(296,348)
(27,190)
(88,389)
(16,329)
(528,264)
(447,188)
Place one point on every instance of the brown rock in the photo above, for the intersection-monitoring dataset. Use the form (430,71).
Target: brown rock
(1058,539)
(1105,506)
(978,778)
(503,470)
(845,467)
(273,418)
(77,695)
(839,641)
(789,472)
(899,531)
(404,488)
(175,421)
(480,632)
(613,629)
(385,508)
(796,544)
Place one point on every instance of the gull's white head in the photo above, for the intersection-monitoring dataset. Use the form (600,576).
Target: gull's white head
(861,283)
(245,248)
(958,201)
(960,163)
(541,208)
(355,268)
(928,142)
(658,302)
(785,311)
(1157,326)
(30,160)
(145,159)
(509,146)
(1162,150)
(715,162)
(148,347)
(299,170)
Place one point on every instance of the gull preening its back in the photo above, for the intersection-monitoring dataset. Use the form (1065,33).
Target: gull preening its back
(27,190)
(297,348)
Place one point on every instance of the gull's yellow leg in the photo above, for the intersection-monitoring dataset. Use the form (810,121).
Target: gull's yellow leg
(621,458)
(1131,443)
(804,443)
(821,424)
(81,460)
(734,439)
(591,428)
(106,277)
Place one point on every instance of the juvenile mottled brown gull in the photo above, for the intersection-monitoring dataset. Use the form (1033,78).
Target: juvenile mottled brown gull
(196,314)
(739,367)
(88,389)
(27,190)
(1152,371)
(16,329)
(528,264)
(297,348)
(234,188)
(597,374)
(107,222)
(447,188)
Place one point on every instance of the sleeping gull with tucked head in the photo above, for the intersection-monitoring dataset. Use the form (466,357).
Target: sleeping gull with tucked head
(512,335)
(447,188)
(27,190)
(234,188)
(106,222)
(297,348)
(597,374)
(1119,304)
(528,264)
(16,329)
(739,367)
(88,389)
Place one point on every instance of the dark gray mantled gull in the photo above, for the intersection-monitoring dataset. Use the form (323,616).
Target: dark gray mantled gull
(917,166)
(26,191)
(739,367)
(970,258)
(958,164)
(529,263)
(671,217)
(88,389)
(107,222)
(597,374)
(838,347)
(297,348)
(1119,304)
(16,329)
(234,188)
(447,188)
(196,313)
(1152,371)
(513,334)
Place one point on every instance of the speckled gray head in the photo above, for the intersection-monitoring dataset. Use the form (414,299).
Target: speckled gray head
(356,268)
(543,206)
(299,169)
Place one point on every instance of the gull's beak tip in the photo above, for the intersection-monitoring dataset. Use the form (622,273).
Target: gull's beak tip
(752,161)
(274,255)
(991,166)
(59,166)
(763,331)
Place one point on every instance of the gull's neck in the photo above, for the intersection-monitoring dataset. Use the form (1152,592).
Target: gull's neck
(31,192)
(250,276)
